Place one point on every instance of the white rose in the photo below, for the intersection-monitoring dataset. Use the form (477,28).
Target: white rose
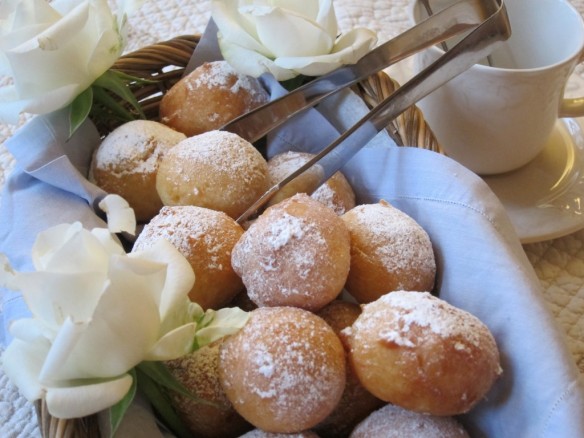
(286,38)
(55,50)
(97,312)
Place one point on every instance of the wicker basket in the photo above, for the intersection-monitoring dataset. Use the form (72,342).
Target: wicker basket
(164,64)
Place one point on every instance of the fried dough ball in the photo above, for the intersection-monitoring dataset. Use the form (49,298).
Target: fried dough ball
(356,402)
(284,371)
(126,163)
(389,251)
(295,254)
(419,352)
(394,422)
(209,97)
(258,433)
(206,238)
(335,193)
(213,416)
(217,170)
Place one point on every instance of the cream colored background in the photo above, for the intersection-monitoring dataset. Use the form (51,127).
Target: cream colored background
(559,263)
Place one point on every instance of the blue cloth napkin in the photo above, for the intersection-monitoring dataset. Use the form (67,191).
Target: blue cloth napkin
(481,265)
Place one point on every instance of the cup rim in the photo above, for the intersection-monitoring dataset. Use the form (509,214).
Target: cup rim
(566,60)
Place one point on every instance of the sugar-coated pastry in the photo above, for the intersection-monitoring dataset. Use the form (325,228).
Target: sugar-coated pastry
(217,170)
(295,254)
(356,402)
(209,97)
(395,422)
(419,352)
(126,163)
(258,433)
(212,415)
(335,193)
(389,251)
(284,371)
(206,238)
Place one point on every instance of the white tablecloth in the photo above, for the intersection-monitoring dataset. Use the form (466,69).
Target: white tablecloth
(559,263)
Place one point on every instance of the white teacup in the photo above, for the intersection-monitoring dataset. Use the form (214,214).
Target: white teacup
(494,119)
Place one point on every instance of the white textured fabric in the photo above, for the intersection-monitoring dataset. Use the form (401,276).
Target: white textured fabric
(559,263)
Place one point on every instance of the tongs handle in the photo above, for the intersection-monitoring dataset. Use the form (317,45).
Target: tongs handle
(469,51)
(451,21)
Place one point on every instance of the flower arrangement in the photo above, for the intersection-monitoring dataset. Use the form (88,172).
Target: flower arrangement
(59,54)
(75,43)
(102,318)
(286,38)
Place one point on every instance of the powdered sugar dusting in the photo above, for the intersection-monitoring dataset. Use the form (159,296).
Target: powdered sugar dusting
(286,257)
(395,422)
(286,228)
(217,169)
(421,309)
(224,151)
(282,165)
(184,227)
(281,247)
(282,358)
(135,147)
(400,243)
(258,433)
(221,74)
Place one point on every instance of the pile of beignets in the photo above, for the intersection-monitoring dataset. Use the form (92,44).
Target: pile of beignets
(345,337)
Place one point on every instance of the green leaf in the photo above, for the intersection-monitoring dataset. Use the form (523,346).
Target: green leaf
(79,110)
(115,82)
(295,82)
(118,410)
(158,372)
(161,403)
(109,103)
(131,79)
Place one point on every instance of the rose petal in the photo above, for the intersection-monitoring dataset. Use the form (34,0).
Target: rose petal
(120,216)
(51,297)
(326,16)
(81,401)
(174,344)
(110,242)
(22,362)
(86,39)
(51,48)
(179,279)
(285,33)
(31,330)
(125,324)
(235,28)
(70,248)
(59,355)
(348,50)
(252,63)
(29,18)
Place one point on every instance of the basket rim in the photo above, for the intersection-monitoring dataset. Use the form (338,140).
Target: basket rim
(165,63)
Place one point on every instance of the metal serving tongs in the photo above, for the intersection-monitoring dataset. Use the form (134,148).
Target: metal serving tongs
(488,24)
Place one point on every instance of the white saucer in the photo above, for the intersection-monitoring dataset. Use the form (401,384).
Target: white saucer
(545,198)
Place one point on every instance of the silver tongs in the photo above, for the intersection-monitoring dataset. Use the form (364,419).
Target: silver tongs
(487,24)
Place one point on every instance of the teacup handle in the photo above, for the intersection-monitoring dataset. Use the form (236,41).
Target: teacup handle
(573,107)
